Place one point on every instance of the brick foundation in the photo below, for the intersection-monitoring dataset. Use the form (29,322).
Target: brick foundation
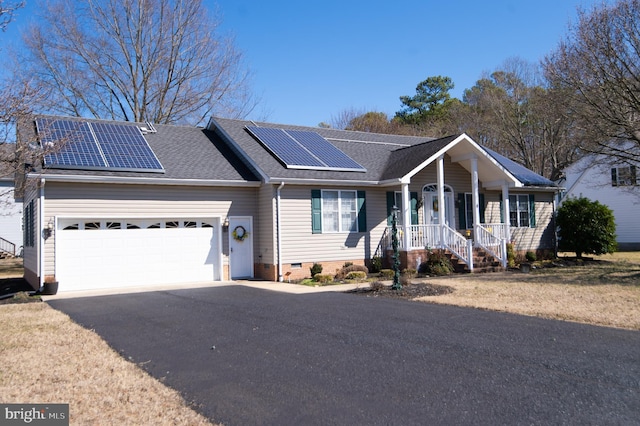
(299,271)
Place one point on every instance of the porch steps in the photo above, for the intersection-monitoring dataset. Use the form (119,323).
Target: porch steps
(482,262)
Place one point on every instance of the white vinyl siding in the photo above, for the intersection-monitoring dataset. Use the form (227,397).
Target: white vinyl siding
(300,245)
(105,201)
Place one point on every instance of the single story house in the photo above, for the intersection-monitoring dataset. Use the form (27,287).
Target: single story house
(615,185)
(10,207)
(126,204)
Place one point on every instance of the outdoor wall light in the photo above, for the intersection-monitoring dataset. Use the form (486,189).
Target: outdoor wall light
(225,224)
(48,229)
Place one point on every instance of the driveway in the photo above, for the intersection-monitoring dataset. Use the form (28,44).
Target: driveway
(247,356)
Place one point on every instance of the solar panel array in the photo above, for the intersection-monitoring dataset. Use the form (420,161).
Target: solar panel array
(299,149)
(95,145)
(69,143)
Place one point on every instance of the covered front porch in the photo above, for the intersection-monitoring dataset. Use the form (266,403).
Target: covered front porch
(427,220)
(491,237)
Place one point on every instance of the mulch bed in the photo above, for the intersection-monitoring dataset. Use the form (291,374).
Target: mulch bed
(16,290)
(407,292)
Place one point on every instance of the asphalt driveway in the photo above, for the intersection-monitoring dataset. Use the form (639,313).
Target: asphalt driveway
(246,356)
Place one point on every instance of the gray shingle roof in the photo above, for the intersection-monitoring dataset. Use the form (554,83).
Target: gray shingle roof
(185,153)
(372,150)
(228,152)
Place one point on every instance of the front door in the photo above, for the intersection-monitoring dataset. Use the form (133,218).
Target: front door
(432,209)
(241,247)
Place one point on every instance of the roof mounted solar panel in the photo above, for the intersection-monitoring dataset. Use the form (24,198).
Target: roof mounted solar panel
(285,148)
(325,151)
(69,144)
(304,150)
(75,144)
(124,147)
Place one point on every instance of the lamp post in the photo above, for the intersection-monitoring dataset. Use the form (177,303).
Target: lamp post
(396,253)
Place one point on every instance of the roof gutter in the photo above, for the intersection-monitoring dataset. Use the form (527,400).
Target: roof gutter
(127,180)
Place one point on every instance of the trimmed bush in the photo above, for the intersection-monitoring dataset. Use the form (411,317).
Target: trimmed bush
(586,227)
(323,279)
(409,272)
(511,256)
(386,274)
(437,263)
(531,256)
(342,273)
(316,269)
(375,264)
(356,275)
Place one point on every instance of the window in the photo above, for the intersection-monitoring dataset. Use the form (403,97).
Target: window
(519,213)
(337,211)
(395,199)
(28,226)
(468,210)
(623,176)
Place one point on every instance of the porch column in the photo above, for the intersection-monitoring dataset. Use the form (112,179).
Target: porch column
(474,189)
(406,216)
(506,212)
(441,206)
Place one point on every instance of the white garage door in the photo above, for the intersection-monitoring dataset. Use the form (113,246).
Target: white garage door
(93,254)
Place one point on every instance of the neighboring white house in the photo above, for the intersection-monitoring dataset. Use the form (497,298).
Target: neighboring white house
(10,209)
(615,185)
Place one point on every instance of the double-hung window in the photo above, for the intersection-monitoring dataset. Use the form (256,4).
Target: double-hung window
(338,211)
(519,211)
(624,176)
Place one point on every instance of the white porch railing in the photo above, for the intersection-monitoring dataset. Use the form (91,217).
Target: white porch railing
(489,236)
(486,237)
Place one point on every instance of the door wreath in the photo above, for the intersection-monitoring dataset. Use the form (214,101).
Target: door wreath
(239,233)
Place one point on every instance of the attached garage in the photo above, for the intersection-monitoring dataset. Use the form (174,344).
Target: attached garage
(120,252)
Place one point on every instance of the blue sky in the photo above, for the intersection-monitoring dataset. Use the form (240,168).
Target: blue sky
(313,59)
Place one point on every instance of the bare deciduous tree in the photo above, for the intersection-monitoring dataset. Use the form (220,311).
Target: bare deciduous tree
(513,112)
(137,60)
(7,8)
(598,68)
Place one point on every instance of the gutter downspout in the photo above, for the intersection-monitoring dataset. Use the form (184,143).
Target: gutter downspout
(40,231)
(278,233)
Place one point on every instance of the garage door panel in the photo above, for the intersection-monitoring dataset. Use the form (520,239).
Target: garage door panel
(91,259)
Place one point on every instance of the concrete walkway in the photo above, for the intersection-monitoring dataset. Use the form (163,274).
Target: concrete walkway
(264,285)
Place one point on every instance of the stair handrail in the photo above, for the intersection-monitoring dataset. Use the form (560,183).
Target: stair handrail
(494,245)
(457,244)
(7,246)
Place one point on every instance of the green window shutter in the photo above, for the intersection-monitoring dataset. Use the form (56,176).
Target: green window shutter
(501,210)
(614,177)
(362,212)
(391,200)
(634,175)
(316,211)
(482,207)
(414,208)
(532,211)
(462,210)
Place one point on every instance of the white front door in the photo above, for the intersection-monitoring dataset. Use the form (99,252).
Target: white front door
(241,247)
(432,209)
